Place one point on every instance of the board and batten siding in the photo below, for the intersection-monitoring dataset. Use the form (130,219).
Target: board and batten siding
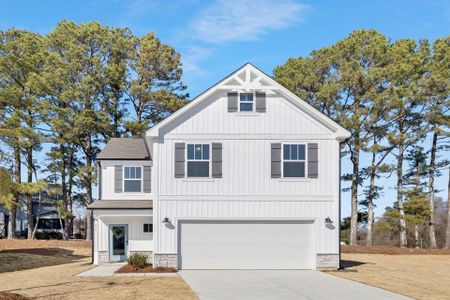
(246,189)
(137,239)
(281,116)
(108,180)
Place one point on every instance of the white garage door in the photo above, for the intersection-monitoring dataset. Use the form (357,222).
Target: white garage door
(246,245)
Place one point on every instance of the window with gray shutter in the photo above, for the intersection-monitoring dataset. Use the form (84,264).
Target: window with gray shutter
(313,160)
(275,155)
(147,179)
(216,160)
(260,102)
(179,160)
(232,102)
(118,178)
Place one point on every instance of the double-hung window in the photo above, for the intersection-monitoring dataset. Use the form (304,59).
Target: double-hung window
(132,179)
(294,160)
(198,160)
(246,102)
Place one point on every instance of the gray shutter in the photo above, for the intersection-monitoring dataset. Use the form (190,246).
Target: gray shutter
(180,154)
(147,179)
(216,159)
(313,160)
(232,102)
(275,160)
(260,102)
(118,179)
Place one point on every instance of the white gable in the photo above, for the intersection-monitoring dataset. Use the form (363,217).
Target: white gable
(286,113)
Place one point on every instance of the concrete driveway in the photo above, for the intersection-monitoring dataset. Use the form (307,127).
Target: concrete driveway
(282,284)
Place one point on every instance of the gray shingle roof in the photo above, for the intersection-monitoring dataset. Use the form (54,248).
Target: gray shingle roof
(125,148)
(121,204)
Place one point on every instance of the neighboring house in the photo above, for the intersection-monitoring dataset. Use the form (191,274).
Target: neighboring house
(245,176)
(49,220)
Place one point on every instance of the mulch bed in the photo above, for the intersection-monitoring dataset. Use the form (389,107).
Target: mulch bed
(12,296)
(147,269)
(390,250)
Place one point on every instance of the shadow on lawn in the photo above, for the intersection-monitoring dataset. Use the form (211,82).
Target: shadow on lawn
(351,263)
(24,259)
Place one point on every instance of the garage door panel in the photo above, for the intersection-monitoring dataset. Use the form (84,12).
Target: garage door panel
(246,245)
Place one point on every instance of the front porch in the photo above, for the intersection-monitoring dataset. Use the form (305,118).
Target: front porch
(121,228)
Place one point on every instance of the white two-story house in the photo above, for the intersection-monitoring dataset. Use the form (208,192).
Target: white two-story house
(245,176)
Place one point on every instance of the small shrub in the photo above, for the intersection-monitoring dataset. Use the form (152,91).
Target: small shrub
(138,260)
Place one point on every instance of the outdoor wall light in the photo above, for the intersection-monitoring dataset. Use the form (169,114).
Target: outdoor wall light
(166,220)
(328,220)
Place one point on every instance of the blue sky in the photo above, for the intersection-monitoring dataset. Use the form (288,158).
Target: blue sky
(216,37)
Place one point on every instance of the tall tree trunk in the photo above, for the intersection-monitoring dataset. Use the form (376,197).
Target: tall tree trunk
(354,192)
(30,221)
(88,198)
(370,207)
(447,231)
(38,215)
(401,208)
(12,224)
(431,229)
(63,170)
(416,235)
(69,222)
(17,179)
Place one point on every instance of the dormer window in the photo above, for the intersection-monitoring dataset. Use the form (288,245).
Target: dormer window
(246,102)
(132,179)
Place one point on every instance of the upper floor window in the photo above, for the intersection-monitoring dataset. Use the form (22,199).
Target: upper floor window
(198,160)
(246,102)
(294,160)
(132,179)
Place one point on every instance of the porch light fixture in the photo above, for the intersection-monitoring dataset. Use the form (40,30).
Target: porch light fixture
(166,220)
(328,220)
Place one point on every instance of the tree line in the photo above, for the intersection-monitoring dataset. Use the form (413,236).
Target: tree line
(392,96)
(68,92)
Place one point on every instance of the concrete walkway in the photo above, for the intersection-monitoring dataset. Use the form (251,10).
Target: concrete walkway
(110,270)
(102,270)
(282,284)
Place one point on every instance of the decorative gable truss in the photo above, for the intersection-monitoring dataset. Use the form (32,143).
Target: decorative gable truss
(248,78)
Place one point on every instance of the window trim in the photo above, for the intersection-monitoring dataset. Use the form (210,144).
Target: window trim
(143,228)
(141,180)
(197,160)
(252,102)
(292,160)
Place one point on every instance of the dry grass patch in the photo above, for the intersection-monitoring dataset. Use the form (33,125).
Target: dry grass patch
(393,250)
(59,281)
(17,255)
(415,275)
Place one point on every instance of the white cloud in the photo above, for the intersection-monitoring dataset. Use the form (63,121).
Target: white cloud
(241,20)
(191,58)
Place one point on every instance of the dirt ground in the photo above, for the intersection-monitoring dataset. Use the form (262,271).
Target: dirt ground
(421,276)
(46,269)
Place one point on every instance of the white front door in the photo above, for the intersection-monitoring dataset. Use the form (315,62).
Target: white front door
(118,242)
(242,244)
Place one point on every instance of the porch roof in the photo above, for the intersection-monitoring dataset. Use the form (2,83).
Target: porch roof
(121,204)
